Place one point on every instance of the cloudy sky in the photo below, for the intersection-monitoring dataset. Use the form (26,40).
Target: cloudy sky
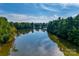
(37,12)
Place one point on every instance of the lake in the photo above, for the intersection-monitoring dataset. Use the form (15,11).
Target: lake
(37,43)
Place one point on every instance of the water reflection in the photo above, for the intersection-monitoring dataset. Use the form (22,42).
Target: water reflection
(37,42)
(66,47)
(6,49)
(26,31)
(14,49)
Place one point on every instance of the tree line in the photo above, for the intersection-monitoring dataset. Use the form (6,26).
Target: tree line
(26,25)
(65,28)
(8,30)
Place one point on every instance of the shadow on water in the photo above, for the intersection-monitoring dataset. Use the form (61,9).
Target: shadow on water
(66,47)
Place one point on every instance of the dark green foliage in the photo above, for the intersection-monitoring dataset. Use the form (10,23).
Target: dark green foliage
(26,25)
(6,30)
(66,28)
(22,25)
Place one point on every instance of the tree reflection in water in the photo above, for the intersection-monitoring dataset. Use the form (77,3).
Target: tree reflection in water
(26,31)
(66,47)
(6,48)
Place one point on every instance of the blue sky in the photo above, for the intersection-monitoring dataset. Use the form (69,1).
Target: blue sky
(37,12)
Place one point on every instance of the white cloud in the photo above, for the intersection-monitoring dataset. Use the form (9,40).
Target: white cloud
(28,18)
(66,5)
(47,8)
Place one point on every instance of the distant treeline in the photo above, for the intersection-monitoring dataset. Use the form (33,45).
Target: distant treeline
(26,25)
(67,29)
(8,30)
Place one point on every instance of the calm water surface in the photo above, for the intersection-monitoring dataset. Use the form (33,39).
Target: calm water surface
(35,43)
(38,43)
